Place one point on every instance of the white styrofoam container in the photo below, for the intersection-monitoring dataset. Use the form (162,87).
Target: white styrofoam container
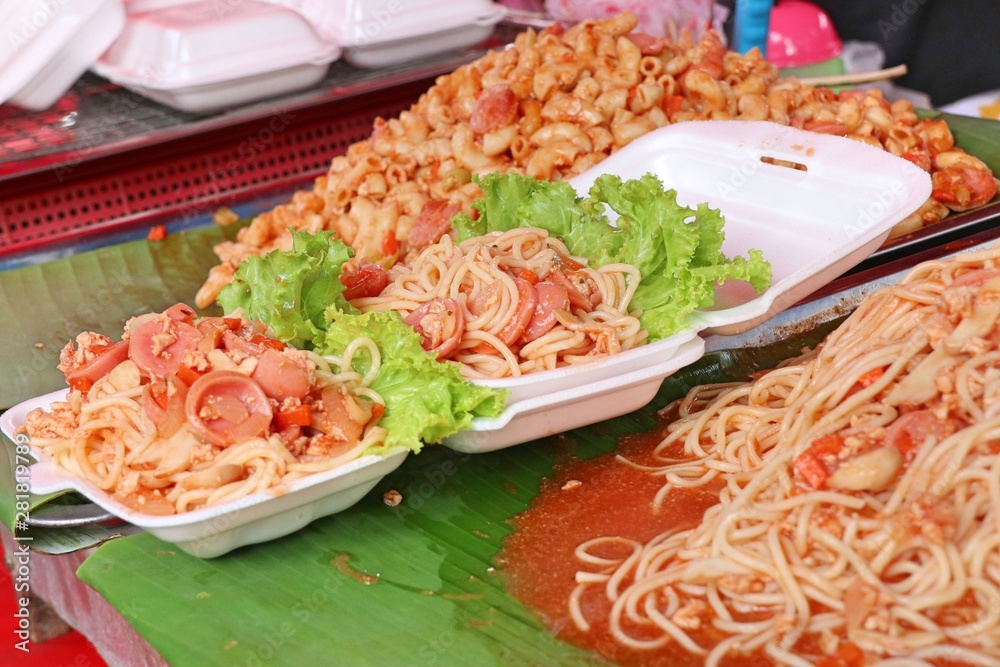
(204,56)
(48,44)
(381,33)
(574,407)
(212,531)
(811,225)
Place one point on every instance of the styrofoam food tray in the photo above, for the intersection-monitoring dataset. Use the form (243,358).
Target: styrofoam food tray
(541,416)
(216,530)
(811,225)
(197,58)
(48,45)
(381,33)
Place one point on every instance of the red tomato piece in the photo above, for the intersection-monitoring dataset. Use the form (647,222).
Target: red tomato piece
(366,280)
(812,463)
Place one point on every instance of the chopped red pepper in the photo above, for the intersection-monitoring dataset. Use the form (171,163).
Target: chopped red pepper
(811,464)
(390,245)
(157,233)
(267,341)
(81,384)
(528,276)
(300,415)
(188,375)
(569,263)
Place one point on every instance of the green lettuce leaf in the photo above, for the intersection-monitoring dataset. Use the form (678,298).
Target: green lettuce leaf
(291,291)
(425,399)
(677,249)
(298,294)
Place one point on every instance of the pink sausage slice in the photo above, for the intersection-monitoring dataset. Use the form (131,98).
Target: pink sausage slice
(99,366)
(280,377)
(159,353)
(441,323)
(550,299)
(214,394)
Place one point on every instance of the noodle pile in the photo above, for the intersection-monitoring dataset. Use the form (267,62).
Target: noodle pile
(511,303)
(151,442)
(859,496)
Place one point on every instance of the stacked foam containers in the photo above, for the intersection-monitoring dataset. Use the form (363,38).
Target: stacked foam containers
(207,55)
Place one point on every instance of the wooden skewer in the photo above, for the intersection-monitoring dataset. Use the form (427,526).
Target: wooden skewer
(859,77)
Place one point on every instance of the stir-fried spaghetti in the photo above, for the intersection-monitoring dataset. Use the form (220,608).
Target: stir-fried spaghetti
(512,302)
(859,496)
(184,414)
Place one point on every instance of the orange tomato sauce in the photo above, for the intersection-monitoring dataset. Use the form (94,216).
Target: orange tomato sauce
(606,497)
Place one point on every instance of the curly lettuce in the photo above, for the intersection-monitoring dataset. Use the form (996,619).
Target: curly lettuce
(298,294)
(677,249)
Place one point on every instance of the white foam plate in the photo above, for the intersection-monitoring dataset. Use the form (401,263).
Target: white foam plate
(216,530)
(811,225)
(572,408)
(971,106)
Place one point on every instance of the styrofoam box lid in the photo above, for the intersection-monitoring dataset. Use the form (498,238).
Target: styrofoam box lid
(34,32)
(366,22)
(211,531)
(137,6)
(206,42)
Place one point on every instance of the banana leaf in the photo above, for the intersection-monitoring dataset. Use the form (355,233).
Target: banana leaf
(977,136)
(413,584)
(44,305)
(436,597)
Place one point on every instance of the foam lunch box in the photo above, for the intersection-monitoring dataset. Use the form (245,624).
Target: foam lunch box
(381,33)
(48,44)
(814,204)
(207,55)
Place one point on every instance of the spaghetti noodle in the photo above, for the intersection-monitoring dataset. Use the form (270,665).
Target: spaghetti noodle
(184,414)
(514,302)
(859,496)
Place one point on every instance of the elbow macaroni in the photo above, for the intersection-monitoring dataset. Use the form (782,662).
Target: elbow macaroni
(567,100)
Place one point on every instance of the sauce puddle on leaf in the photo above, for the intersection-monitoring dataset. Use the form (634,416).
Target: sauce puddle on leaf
(587,499)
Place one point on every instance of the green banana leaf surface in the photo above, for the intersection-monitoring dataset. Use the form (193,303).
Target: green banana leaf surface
(414,584)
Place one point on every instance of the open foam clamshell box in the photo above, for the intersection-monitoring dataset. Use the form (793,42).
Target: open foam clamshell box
(212,531)
(828,203)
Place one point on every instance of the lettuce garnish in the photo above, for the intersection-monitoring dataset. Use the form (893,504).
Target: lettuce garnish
(677,249)
(298,294)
